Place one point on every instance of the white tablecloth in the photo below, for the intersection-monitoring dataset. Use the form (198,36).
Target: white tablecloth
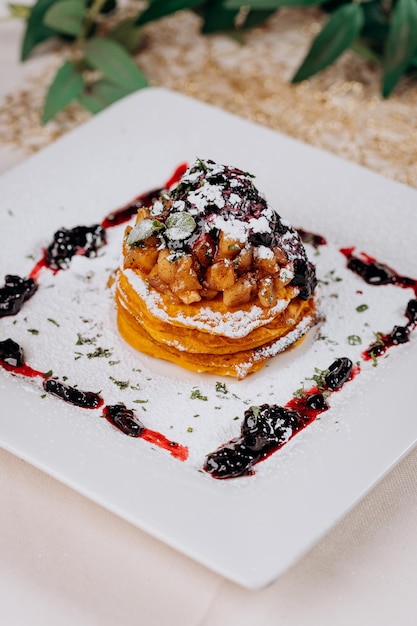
(65,560)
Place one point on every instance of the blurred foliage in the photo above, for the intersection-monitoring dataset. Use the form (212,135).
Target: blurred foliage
(100,70)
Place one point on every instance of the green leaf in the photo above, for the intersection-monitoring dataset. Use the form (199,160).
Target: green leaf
(66,87)
(160,8)
(256,17)
(216,18)
(127,34)
(112,60)
(339,32)
(21,11)
(108,7)
(363,50)
(102,94)
(414,61)
(36,31)
(141,231)
(270,4)
(401,44)
(180,225)
(376,20)
(66,16)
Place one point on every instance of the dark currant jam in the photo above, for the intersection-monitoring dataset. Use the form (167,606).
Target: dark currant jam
(338,373)
(83,399)
(375,273)
(84,240)
(398,335)
(268,427)
(313,239)
(125,213)
(264,430)
(14,294)
(157,439)
(12,360)
(11,353)
(125,420)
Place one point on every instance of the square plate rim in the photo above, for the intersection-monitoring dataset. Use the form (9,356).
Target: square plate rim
(255,575)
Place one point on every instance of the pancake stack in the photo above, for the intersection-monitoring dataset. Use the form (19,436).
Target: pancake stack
(213,279)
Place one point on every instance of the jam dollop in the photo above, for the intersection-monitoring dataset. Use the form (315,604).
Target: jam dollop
(264,429)
(83,399)
(338,373)
(268,427)
(398,335)
(124,419)
(124,213)
(84,240)
(375,273)
(11,353)
(15,293)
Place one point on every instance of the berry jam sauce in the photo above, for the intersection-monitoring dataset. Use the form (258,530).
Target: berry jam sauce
(398,335)
(12,360)
(265,429)
(83,240)
(375,273)
(83,399)
(313,239)
(125,420)
(123,215)
(66,243)
(15,293)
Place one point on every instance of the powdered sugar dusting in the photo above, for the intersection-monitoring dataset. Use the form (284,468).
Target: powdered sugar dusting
(233,324)
(76,336)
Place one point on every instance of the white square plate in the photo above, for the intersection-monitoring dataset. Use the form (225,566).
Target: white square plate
(250,529)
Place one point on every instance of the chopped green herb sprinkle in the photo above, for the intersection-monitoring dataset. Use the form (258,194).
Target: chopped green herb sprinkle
(299,393)
(122,384)
(33,331)
(82,340)
(221,387)
(99,352)
(197,395)
(354,340)
(362,307)
(53,321)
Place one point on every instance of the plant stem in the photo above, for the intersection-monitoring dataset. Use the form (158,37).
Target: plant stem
(76,52)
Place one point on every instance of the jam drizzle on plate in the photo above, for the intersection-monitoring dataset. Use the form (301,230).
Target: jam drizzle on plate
(66,243)
(265,429)
(125,420)
(273,425)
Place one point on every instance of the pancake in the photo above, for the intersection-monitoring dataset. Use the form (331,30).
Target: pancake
(213,279)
